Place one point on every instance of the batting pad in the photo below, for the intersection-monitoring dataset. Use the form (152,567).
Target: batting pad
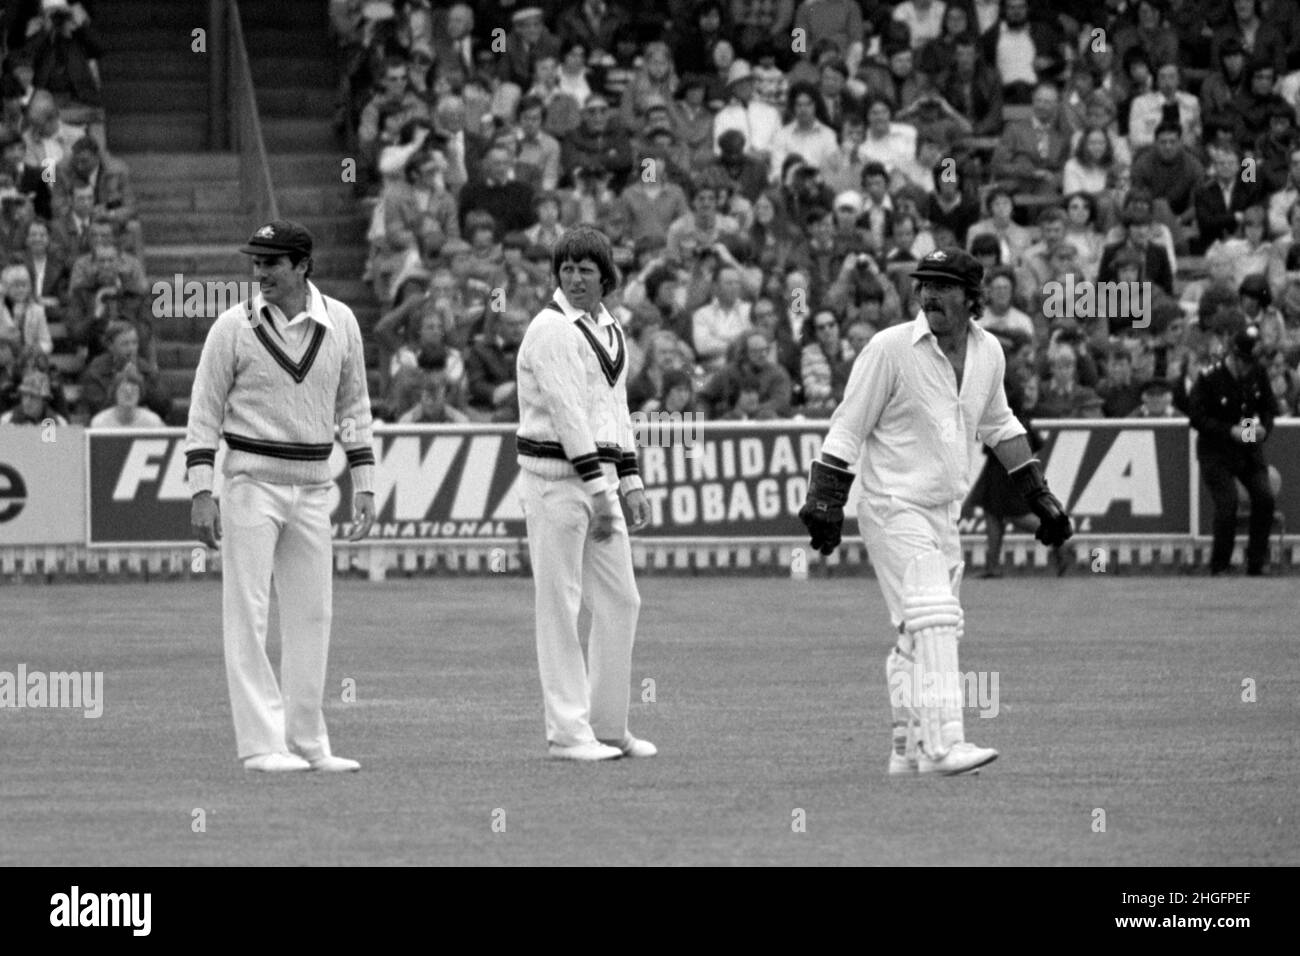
(933,617)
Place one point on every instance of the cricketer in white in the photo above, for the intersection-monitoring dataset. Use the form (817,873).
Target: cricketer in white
(919,395)
(577,450)
(276,376)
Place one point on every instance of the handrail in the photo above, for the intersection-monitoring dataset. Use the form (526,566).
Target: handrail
(255,185)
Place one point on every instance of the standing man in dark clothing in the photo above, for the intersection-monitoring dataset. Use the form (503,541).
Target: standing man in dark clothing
(1232,409)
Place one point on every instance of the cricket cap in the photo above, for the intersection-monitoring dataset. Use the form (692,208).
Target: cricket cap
(279,237)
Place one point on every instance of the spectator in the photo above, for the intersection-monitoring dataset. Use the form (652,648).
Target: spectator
(71,231)
(1149,33)
(1090,165)
(703,224)
(34,406)
(1152,259)
(895,80)
(693,121)
(490,369)
(598,142)
(1273,148)
(653,203)
(1252,253)
(107,285)
(1171,174)
(1120,395)
(453,39)
(750,386)
(1252,106)
(693,42)
(788,342)
(935,56)
(888,143)
(654,82)
(10,371)
(20,315)
(47,269)
(397,100)
(1283,382)
(1062,395)
(1222,87)
(1167,103)
(1281,202)
(841,103)
(1082,233)
(973,88)
(571,79)
(547,229)
(16,214)
(1025,53)
(16,173)
(536,153)
(1249,30)
(924,20)
(825,366)
(125,412)
(1000,314)
(808,134)
(1013,239)
(509,202)
(677,395)
(65,62)
(717,324)
(433,408)
(1157,401)
(758,121)
(1256,302)
(756,21)
(665,355)
(950,204)
(1032,152)
(1037,258)
(123,349)
(463,148)
(529,39)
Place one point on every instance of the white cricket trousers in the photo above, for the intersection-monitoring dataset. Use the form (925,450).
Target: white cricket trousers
(895,532)
(277,533)
(584,701)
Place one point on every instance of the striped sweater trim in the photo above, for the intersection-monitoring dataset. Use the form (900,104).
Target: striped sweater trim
(610,368)
(587,465)
(627,465)
(297,370)
(200,456)
(290,451)
(358,457)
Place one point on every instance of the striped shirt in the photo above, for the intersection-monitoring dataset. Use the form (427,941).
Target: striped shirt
(903,413)
(274,388)
(573,413)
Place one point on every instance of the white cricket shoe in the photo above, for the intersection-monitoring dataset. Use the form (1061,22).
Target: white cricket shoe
(335,764)
(633,746)
(593,750)
(961,758)
(902,763)
(276,763)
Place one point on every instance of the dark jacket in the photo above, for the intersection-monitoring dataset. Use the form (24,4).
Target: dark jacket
(1214,220)
(62,64)
(1220,400)
(511,204)
(488,364)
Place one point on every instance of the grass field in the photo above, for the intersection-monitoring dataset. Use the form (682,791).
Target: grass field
(1123,694)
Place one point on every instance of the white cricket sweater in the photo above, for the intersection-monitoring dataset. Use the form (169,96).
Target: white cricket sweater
(572,388)
(276,405)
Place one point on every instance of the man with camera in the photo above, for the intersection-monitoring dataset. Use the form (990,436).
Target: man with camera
(107,284)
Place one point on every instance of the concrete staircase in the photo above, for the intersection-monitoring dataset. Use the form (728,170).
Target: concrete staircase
(156,96)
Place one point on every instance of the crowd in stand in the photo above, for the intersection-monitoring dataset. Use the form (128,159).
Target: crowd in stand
(76,338)
(769,172)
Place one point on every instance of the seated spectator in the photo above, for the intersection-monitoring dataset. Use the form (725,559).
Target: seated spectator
(750,386)
(395,99)
(70,232)
(1152,259)
(18,175)
(490,368)
(973,88)
(65,61)
(508,201)
(745,112)
(10,371)
(16,214)
(888,143)
(1061,395)
(1167,103)
(34,406)
(718,324)
(1000,315)
(1220,203)
(433,407)
(547,230)
(950,205)
(1082,233)
(529,39)
(1252,253)
(598,141)
(825,365)
(570,78)
(462,147)
(107,285)
(123,349)
(1284,199)
(1171,173)
(676,396)
(704,224)
(893,76)
(1282,379)
(1252,107)
(653,203)
(414,217)
(1273,148)
(1255,299)
(1120,395)
(125,412)
(48,138)
(1013,239)
(1157,401)
(47,269)
(665,354)
(1091,163)
(20,315)
(917,174)
(1037,258)
(808,133)
(536,152)
(1032,152)
(1021,64)
(110,181)
(1226,83)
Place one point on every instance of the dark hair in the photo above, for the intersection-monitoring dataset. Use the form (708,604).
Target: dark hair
(986,245)
(530,103)
(874,168)
(655,280)
(1087,198)
(297,257)
(586,242)
(1081,151)
(815,215)
(1166,126)
(807,89)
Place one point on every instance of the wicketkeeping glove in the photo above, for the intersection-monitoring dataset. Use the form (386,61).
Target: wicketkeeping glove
(1055,527)
(823,511)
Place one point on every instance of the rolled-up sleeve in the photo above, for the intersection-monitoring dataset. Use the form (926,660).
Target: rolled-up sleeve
(998,423)
(870,384)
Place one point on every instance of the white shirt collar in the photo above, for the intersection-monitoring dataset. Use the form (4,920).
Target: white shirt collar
(315,309)
(601,315)
(921,327)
